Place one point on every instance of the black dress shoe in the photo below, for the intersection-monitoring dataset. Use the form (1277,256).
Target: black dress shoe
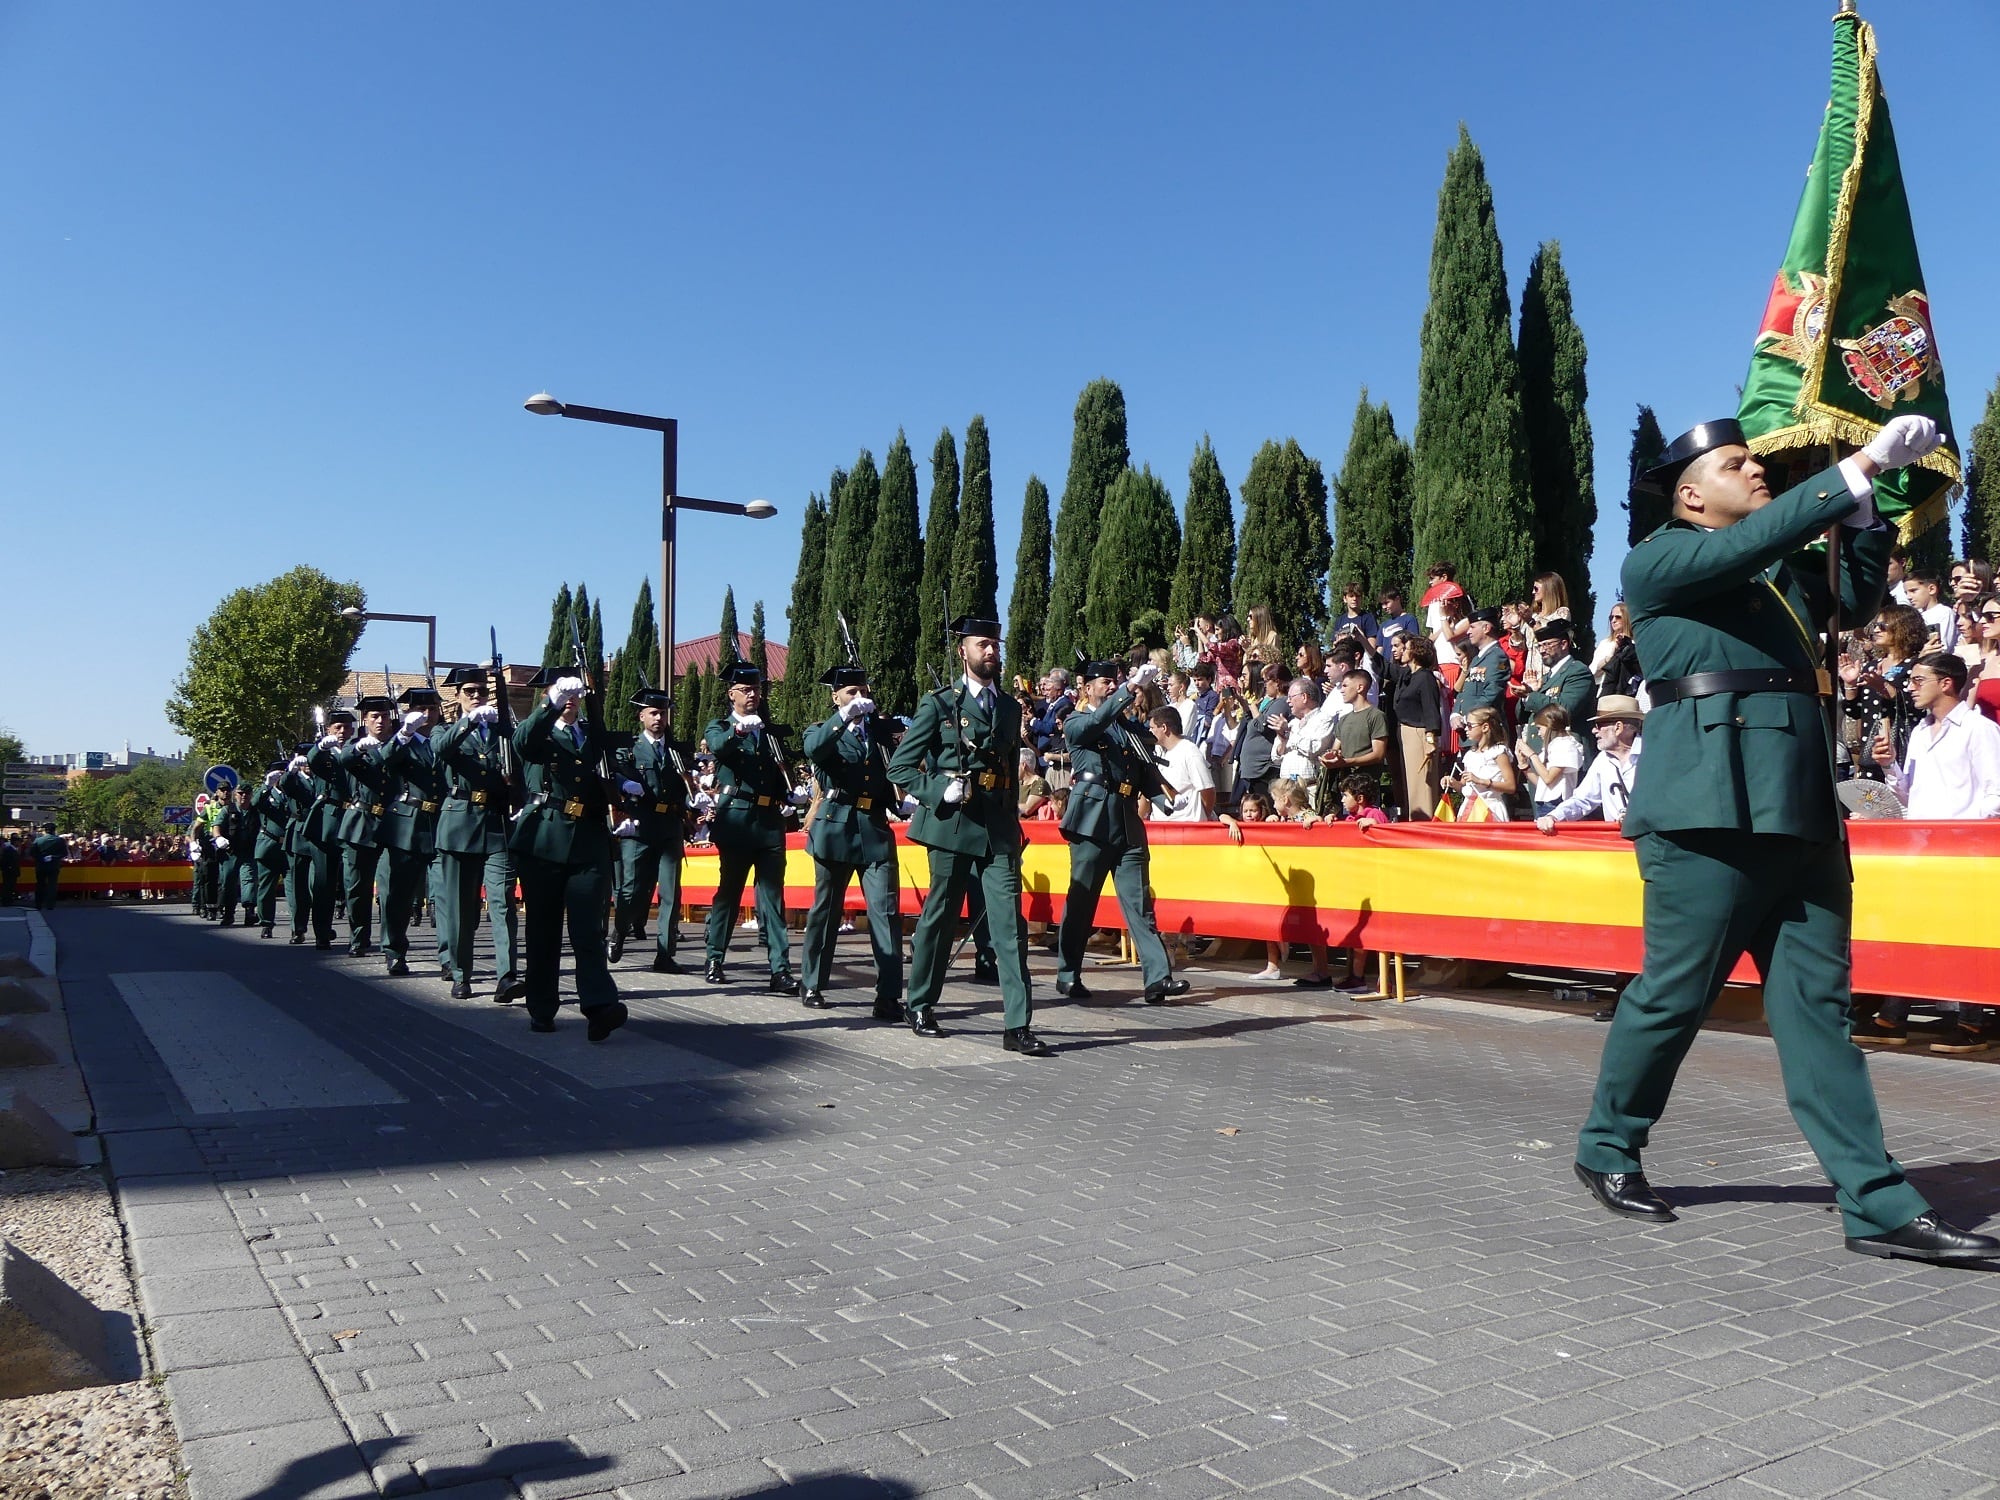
(1023,1040)
(985,970)
(322,944)
(662,964)
(1626,1193)
(267,931)
(397,968)
(713,973)
(298,939)
(604,1020)
(1074,990)
(923,1023)
(1165,990)
(782,984)
(617,947)
(1927,1237)
(461,989)
(228,919)
(814,1000)
(890,1011)
(511,988)
(541,1026)
(444,968)
(1604,1016)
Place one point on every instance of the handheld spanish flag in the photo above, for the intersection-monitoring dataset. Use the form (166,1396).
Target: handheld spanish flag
(1847,340)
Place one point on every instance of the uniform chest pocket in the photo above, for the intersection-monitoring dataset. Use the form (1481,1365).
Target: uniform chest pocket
(1749,711)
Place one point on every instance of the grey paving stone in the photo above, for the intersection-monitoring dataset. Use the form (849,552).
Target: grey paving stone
(221,1338)
(308,1460)
(204,1292)
(213,1400)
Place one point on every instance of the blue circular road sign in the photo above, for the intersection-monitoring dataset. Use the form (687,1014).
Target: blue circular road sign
(221,779)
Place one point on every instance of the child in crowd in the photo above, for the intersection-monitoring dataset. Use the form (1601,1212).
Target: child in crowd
(1551,758)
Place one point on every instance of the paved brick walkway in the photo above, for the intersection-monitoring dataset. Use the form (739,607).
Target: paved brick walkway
(1248,1243)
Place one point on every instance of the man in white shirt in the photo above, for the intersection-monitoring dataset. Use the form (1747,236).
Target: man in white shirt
(1940,619)
(1186,771)
(1307,733)
(1952,766)
(1606,788)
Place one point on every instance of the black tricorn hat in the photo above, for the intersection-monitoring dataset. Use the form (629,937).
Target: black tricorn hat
(1705,437)
(1490,615)
(1112,668)
(423,695)
(974,625)
(460,676)
(1554,630)
(374,703)
(546,676)
(340,716)
(652,697)
(743,673)
(277,765)
(844,677)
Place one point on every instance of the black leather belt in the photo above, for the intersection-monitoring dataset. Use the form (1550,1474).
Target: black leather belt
(1753,680)
(1124,787)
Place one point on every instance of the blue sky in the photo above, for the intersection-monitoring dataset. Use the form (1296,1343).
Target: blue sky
(280,276)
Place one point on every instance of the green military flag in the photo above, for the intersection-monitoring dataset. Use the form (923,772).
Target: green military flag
(1847,340)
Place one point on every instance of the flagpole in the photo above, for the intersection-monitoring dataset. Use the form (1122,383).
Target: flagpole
(1831,655)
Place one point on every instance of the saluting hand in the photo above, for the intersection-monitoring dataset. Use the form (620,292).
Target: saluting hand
(1903,440)
(565,691)
(631,789)
(486,713)
(745,723)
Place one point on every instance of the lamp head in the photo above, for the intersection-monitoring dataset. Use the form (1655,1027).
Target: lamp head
(353,613)
(760,510)
(542,404)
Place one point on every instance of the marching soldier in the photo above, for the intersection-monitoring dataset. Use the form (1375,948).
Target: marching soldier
(236,836)
(296,786)
(207,859)
(563,845)
(654,773)
(1737,827)
(273,812)
(959,759)
(368,794)
(850,834)
(753,788)
(472,837)
(332,791)
(413,790)
(1111,765)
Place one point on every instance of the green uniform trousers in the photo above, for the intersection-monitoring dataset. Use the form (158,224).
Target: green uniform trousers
(265,878)
(298,888)
(233,870)
(206,886)
(644,868)
(434,888)
(358,864)
(1710,896)
(1128,867)
(999,878)
(408,871)
(458,909)
(768,866)
(555,890)
(882,890)
(325,871)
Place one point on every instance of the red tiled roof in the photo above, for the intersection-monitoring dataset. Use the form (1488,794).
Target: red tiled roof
(703,651)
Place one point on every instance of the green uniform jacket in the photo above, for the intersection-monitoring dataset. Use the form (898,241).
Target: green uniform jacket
(751,785)
(409,821)
(1726,600)
(48,848)
(1101,763)
(856,795)
(1572,687)
(567,799)
(274,825)
(1484,683)
(662,770)
(988,821)
(332,791)
(371,789)
(473,819)
(299,794)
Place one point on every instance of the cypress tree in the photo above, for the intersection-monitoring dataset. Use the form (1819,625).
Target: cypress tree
(1648,512)
(581,615)
(1131,572)
(1469,465)
(807,658)
(555,650)
(714,695)
(726,654)
(975,565)
(848,544)
(687,720)
(1371,505)
(593,643)
(760,656)
(940,533)
(1208,543)
(888,626)
(1982,484)
(1028,606)
(1282,555)
(1561,456)
(638,663)
(1098,454)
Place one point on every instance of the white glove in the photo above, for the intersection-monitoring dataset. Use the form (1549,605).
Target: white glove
(272,778)
(412,718)
(1903,440)
(629,829)
(954,790)
(221,842)
(909,807)
(631,789)
(747,722)
(856,708)
(1143,673)
(565,691)
(367,742)
(329,742)
(194,850)
(298,763)
(486,713)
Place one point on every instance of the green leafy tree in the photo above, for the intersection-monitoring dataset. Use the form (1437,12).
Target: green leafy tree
(134,804)
(940,535)
(1371,505)
(888,625)
(848,544)
(975,565)
(1648,512)
(1982,485)
(808,656)
(1562,458)
(1098,454)
(11,750)
(1028,606)
(1131,574)
(261,661)
(1282,556)
(555,650)
(1470,466)
(688,720)
(1208,543)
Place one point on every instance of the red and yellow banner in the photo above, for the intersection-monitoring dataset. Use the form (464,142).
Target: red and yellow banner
(1501,892)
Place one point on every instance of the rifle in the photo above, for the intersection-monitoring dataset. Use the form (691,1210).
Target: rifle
(853,656)
(593,710)
(504,725)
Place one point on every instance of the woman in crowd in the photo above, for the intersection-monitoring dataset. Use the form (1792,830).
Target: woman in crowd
(1309,660)
(1034,789)
(1551,757)
(1195,643)
(1878,694)
(1615,662)
(1454,622)
(1486,768)
(1225,653)
(1416,704)
(1261,646)
(1550,597)
(1986,689)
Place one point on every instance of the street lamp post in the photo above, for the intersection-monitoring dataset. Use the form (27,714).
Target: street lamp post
(429,622)
(542,404)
